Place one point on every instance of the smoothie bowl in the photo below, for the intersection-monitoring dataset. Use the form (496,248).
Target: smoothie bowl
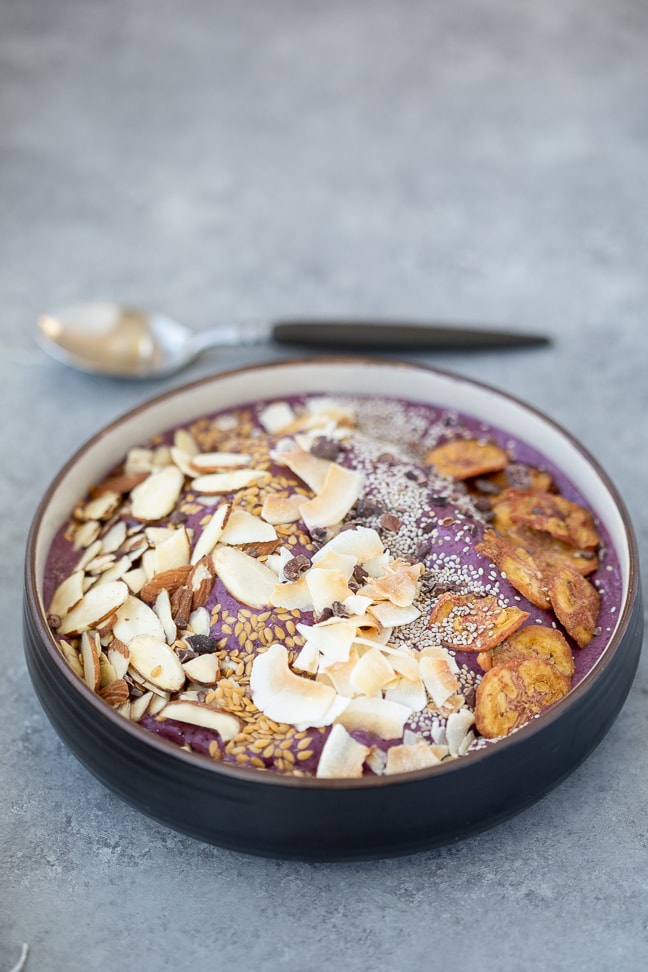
(332,609)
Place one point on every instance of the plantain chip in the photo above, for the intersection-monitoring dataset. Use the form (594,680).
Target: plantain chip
(517,565)
(512,693)
(550,513)
(472,622)
(533,641)
(576,603)
(466,458)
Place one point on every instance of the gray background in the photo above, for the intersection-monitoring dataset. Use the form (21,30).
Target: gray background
(482,160)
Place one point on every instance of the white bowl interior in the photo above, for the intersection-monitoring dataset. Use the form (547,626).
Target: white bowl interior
(344,376)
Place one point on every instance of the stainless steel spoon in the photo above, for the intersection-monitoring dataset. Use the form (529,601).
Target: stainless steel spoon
(127,342)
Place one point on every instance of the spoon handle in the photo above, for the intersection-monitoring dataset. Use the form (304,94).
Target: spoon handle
(397,335)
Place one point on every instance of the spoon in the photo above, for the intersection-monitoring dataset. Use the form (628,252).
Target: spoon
(128,342)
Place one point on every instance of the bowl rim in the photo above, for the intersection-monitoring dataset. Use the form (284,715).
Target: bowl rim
(205,764)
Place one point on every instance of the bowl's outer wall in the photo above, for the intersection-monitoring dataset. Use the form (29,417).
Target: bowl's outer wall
(332,819)
(336,821)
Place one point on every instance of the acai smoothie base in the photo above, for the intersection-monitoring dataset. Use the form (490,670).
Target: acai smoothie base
(332,587)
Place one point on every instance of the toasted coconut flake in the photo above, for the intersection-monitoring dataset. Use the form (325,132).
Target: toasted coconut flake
(333,560)
(308,659)
(409,758)
(135,617)
(276,417)
(286,697)
(386,719)
(342,756)
(408,692)
(243,527)
(245,578)
(340,490)
(400,584)
(281,509)
(457,729)
(439,679)
(199,714)
(391,615)
(67,594)
(326,587)
(212,532)
(309,468)
(158,664)
(157,495)
(332,638)
(96,605)
(292,596)
(372,674)
(363,543)
(215,484)
(204,669)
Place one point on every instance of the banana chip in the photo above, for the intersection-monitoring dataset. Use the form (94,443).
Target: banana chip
(510,694)
(576,604)
(534,641)
(466,458)
(470,622)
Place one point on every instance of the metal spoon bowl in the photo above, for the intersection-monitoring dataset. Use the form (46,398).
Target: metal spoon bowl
(111,339)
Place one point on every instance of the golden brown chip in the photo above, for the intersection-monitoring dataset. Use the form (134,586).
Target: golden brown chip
(515,474)
(517,565)
(535,641)
(576,604)
(470,622)
(510,694)
(551,554)
(465,458)
(553,514)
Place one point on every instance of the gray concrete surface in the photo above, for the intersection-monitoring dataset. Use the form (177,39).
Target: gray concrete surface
(482,160)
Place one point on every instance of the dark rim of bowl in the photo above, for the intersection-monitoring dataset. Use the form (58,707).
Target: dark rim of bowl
(204,763)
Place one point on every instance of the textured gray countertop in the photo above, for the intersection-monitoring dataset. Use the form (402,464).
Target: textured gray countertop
(483,161)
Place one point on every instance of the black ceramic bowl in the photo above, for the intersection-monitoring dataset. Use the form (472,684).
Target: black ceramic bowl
(268,814)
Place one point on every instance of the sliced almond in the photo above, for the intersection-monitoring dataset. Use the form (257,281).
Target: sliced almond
(101,507)
(134,618)
(71,656)
(204,669)
(244,577)
(96,605)
(211,532)
(215,484)
(205,716)
(184,440)
(173,551)
(243,527)
(115,693)
(119,657)
(139,707)
(162,608)
(67,594)
(169,580)
(342,756)
(157,495)
(90,649)
(86,533)
(340,490)
(156,662)
(286,697)
(206,462)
